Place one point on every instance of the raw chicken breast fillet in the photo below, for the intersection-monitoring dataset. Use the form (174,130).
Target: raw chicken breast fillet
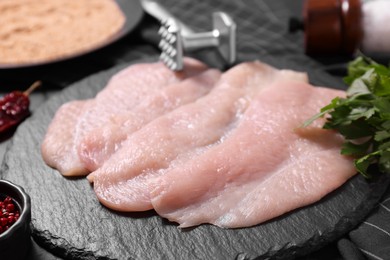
(58,149)
(267,166)
(99,144)
(123,92)
(122,182)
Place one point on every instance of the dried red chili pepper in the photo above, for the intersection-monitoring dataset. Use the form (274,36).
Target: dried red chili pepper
(14,108)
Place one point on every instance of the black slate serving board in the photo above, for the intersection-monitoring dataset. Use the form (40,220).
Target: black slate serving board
(68,220)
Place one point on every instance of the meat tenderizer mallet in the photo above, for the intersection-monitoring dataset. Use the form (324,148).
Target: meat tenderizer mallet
(177,38)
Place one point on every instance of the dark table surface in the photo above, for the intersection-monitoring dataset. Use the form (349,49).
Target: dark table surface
(59,76)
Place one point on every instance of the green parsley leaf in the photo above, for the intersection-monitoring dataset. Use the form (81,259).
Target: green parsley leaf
(363,117)
(352,149)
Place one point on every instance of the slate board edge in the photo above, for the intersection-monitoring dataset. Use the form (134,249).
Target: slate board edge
(342,228)
(62,248)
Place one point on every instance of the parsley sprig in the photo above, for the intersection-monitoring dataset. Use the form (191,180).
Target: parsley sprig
(363,117)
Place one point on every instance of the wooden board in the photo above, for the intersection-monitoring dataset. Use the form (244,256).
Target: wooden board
(68,220)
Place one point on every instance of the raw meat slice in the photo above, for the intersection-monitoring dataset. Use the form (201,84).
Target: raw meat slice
(266,167)
(58,150)
(129,87)
(99,144)
(122,93)
(122,182)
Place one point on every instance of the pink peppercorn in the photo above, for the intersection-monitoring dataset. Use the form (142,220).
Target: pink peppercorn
(9,214)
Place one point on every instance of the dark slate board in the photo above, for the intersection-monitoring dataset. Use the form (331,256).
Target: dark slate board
(68,220)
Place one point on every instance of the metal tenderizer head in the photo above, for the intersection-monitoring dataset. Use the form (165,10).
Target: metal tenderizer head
(171,44)
(176,38)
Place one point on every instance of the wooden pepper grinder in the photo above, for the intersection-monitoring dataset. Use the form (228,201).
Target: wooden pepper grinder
(344,26)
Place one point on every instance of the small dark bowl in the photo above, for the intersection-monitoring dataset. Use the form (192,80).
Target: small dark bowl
(16,241)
